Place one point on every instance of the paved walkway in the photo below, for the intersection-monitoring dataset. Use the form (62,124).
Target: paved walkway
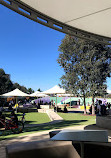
(53,115)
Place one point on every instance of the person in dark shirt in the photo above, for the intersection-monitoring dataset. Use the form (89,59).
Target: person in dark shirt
(14,117)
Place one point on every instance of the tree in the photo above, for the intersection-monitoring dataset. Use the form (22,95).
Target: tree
(6,84)
(98,69)
(30,90)
(22,88)
(86,66)
(39,90)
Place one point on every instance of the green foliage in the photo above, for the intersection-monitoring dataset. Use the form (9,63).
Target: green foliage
(6,85)
(30,90)
(39,90)
(5,82)
(22,88)
(86,66)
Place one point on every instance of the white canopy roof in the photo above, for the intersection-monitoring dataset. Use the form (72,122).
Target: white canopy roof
(38,94)
(35,94)
(54,90)
(75,16)
(89,15)
(15,93)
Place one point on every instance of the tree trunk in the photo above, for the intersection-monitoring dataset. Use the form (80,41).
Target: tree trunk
(93,108)
(84,104)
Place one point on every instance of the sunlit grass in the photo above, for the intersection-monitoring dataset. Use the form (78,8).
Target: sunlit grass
(70,119)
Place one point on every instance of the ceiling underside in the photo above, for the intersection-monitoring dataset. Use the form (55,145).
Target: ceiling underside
(89,19)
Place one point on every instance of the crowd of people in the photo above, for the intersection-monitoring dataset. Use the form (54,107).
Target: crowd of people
(101,107)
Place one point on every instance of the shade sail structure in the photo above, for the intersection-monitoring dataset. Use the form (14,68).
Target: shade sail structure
(54,90)
(15,93)
(83,18)
(38,94)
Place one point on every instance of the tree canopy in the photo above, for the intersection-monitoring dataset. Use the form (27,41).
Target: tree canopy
(5,82)
(6,85)
(86,65)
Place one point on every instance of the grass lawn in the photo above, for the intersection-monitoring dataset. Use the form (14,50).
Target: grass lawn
(70,119)
(78,119)
(36,118)
(32,117)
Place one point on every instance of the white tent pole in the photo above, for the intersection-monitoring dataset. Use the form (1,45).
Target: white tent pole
(70,101)
(56,101)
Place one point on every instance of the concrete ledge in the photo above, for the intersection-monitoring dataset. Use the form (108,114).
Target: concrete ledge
(42,149)
(103,121)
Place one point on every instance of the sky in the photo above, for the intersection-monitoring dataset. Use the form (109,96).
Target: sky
(29,51)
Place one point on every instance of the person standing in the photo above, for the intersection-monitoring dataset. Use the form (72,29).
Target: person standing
(99,108)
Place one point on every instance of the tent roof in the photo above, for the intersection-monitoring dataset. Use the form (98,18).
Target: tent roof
(89,16)
(35,94)
(38,94)
(54,90)
(15,93)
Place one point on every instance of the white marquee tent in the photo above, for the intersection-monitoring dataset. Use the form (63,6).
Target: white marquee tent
(15,93)
(55,90)
(38,94)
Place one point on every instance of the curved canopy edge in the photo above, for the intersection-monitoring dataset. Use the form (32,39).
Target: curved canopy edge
(43,19)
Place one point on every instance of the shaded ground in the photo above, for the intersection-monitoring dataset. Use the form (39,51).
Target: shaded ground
(44,135)
(47,126)
(70,119)
(28,138)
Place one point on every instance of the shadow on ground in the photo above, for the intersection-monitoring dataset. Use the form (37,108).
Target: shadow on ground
(80,112)
(47,126)
(59,125)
